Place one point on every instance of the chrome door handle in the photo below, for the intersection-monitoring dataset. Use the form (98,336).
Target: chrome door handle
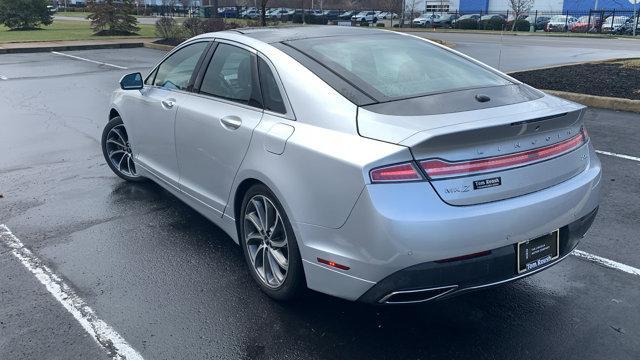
(168,103)
(231,122)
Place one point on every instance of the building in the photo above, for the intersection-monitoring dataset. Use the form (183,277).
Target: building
(139,2)
(549,6)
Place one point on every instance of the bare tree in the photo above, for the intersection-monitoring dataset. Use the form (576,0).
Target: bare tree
(351,4)
(168,6)
(391,6)
(263,10)
(410,9)
(519,7)
(186,6)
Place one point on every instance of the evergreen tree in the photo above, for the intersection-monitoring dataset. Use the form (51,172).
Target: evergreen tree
(109,17)
(24,14)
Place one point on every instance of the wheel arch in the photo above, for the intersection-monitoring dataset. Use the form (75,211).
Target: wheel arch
(241,190)
(113,113)
(250,179)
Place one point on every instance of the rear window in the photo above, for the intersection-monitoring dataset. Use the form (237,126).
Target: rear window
(388,67)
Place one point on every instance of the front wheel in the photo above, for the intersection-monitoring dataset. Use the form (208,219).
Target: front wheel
(269,245)
(117,150)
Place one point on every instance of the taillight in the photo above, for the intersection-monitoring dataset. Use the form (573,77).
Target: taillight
(395,173)
(440,168)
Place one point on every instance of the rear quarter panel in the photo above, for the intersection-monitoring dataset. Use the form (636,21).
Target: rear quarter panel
(321,172)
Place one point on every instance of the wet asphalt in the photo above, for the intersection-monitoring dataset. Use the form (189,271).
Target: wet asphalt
(175,286)
(524,52)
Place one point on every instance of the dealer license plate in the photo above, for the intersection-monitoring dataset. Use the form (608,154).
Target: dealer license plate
(537,252)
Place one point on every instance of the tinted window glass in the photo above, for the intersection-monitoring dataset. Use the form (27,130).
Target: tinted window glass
(151,77)
(271,97)
(395,66)
(175,72)
(229,74)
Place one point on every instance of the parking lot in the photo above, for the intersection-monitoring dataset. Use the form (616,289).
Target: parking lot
(524,52)
(174,286)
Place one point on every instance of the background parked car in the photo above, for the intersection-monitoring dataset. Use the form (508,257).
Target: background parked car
(444,20)
(347,15)
(425,20)
(228,12)
(561,23)
(613,23)
(587,24)
(331,15)
(493,16)
(288,16)
(365,16)
(467,21)
(251,14)
(282,14)
(493,22)
(386,15)
(627,28)
(540,22)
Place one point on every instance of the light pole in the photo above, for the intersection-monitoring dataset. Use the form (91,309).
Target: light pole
(635,16)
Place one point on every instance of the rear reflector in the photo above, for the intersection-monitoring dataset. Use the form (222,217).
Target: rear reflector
(464,257)
(440,168)
(393,173)
(333,264)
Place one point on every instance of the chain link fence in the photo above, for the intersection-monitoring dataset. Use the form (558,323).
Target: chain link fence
(388,13)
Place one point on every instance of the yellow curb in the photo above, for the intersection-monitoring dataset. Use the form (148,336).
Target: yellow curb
(603,102)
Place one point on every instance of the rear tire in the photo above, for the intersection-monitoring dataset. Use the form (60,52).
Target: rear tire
(268,244)
(117,151)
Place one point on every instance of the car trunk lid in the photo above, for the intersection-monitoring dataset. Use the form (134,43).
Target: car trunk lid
(491,153)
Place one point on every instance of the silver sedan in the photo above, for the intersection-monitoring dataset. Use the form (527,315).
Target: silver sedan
(365,164)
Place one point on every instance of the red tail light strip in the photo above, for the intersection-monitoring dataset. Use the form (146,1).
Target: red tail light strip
(439,168)
(400,172)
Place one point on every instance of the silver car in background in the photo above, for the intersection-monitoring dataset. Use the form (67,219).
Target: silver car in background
(365,164)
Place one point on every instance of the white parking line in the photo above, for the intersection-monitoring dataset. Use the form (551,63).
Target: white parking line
(89,60)
(622,156)
(101,332)
(606,262)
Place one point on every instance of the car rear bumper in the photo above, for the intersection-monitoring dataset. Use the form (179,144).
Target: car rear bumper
(436,280)
(394,227)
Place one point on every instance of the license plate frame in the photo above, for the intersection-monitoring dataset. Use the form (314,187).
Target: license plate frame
(535,253)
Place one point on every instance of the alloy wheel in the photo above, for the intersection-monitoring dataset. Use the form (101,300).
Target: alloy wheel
(119,151)
(266,241)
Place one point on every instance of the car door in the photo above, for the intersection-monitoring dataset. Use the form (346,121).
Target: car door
(152,115)
(214,127)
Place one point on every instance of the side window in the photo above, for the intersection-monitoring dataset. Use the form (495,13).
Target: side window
(151,77)
(229,74)
(175,72)
(271,97)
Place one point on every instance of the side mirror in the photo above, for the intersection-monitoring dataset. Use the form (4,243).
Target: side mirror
(131,82)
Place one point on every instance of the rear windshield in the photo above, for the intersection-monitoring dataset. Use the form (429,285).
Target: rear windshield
(388,67)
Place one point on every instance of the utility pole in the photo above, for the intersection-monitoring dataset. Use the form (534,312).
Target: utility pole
(635,16)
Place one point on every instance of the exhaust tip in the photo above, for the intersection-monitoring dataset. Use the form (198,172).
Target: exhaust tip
(416,296)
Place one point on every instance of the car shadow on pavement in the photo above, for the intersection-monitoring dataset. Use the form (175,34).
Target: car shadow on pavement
(493,321)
